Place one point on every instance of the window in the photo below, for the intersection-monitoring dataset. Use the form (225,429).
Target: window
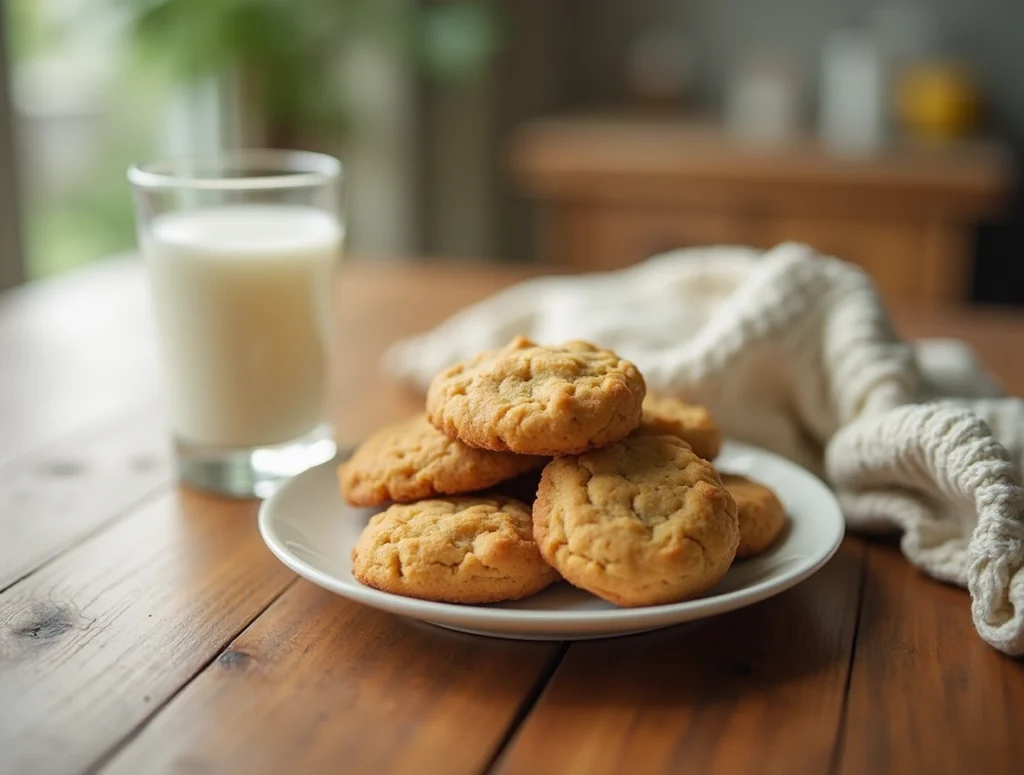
(82,109)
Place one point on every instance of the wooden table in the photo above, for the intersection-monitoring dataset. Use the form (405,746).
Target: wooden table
(145,628)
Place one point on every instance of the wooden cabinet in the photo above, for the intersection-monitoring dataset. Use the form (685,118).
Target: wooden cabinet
(599,236)
(612,192)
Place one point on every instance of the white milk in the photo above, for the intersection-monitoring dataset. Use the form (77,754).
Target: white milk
(242,297)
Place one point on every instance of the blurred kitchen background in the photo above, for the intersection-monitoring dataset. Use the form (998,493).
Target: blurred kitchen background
(585,133)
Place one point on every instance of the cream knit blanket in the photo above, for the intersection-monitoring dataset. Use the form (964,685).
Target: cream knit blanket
(794,352)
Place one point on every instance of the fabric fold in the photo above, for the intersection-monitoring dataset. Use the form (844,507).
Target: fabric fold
(794,351)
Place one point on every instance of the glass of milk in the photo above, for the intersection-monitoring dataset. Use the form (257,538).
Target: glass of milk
(241,250)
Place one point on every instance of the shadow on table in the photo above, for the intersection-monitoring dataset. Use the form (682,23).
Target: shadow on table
(805,631)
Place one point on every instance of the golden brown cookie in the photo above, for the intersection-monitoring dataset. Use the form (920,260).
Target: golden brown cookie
(413,460)
(761,516)
(690,422)
(455,550)
(641,522)
(538,400)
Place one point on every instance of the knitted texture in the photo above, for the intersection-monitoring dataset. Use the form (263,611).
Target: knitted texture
(794,352)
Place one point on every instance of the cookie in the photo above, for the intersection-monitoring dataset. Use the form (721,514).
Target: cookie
(643,521)
(761,516)
(412,460)
(454,550)
(538,400)
(690,422)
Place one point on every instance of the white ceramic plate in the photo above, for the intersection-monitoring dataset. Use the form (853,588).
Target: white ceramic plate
(311,530)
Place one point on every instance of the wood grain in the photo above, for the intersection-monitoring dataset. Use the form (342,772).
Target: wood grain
(94,642)
(104,640)
(77,353)
(926,693)
(321,684)
(758,690)
(51,499)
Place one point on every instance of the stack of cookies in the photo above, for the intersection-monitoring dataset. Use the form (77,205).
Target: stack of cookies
(628,505)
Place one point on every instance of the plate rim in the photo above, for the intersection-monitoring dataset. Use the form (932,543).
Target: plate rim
(482,615)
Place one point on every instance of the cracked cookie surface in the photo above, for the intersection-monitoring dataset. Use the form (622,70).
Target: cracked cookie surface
(761,516)
(644,521)
(411,460)
(692,423)
(538,400)
(455,550)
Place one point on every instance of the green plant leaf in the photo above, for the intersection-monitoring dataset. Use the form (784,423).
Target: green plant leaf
(290,47)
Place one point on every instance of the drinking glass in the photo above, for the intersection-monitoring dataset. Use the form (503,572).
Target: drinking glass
(240,249)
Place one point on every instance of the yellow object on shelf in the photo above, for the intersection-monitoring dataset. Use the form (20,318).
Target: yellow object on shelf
(936,101)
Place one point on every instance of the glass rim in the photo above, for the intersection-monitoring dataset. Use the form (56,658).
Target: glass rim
(291,169)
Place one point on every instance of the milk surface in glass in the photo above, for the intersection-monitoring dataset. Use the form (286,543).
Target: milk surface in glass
(242,298)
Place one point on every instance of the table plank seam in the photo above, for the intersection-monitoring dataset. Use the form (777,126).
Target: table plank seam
(107,524)
(840,738)
(527,706)
(111,753)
